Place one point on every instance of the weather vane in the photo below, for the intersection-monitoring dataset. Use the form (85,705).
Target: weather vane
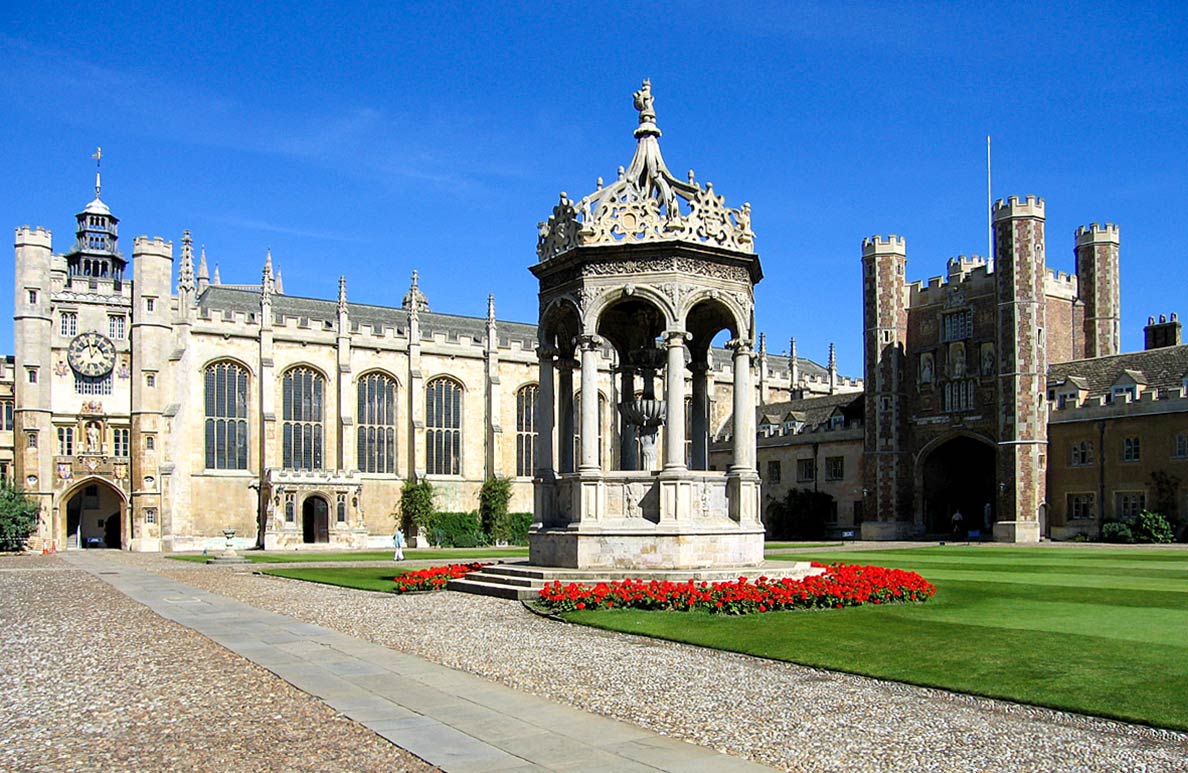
(98,156)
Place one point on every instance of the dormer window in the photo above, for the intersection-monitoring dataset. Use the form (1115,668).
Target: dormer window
(837,422)
(1127,393)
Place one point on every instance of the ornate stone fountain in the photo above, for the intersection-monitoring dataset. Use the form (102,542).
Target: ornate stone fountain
(647,270)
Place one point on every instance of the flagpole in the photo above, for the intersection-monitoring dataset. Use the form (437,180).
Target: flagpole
(989,209)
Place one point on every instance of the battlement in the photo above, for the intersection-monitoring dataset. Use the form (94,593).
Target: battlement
(968,272)
(1061,284)
(143,245)
(1013,207)
(33,237)
(1096,234)
(880,245)
(962,264)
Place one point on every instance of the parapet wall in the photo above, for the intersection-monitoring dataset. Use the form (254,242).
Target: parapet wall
(1151,401)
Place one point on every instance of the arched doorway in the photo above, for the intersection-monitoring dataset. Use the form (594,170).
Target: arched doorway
(95,516)
(315,520)
(958,475)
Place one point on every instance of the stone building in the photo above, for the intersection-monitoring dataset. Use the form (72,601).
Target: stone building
(1118,435)
(956,374)
(150,405)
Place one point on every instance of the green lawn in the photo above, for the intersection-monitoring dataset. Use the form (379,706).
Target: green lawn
(360,577)
(799,545)
(307,556)
(1094,631)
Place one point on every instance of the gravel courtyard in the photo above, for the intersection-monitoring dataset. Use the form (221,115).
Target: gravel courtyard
(164,697)
(92,680)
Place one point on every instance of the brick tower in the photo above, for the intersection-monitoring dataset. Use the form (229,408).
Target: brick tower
(1097,278)
(1020,273)
(888,475)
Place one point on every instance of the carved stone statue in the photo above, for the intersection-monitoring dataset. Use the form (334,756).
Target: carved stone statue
(92,438)
(926,368)
(643,102)
(957,360)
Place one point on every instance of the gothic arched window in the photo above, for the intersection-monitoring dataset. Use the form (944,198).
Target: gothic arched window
(443,427)
(526,429)
(302,401)
(376,418)
(226,400)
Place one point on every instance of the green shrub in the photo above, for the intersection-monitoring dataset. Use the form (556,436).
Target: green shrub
(1113,531)
(416,506)
(18,517)
(1152,527)
(516,530)
(455,530)
(493,499)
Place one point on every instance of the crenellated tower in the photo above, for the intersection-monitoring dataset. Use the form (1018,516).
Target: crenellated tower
(1098,282)
(1020,272)
(152,335)
(33,337)
(887,473)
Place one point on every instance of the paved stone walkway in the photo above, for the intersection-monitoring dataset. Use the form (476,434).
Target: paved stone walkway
(451,719)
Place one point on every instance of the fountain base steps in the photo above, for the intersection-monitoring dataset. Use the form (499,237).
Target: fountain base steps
(523,581)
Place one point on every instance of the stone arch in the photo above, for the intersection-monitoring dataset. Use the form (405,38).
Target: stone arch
(736,316)
(560,324)
(706,315)
(632,321)
(955,472)
(77,528)
(233,360)
(608,299)
(380,371)
(315,517)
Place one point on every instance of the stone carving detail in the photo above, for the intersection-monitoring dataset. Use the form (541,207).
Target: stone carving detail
(646,204)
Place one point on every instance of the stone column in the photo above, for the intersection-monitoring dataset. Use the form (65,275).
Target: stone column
(589,345)
(628,449)
(700,460)
(565,366)
(674,396)
(744,407)
(545,415)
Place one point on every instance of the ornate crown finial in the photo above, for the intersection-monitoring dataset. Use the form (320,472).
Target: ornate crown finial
(646,203)
(644,102)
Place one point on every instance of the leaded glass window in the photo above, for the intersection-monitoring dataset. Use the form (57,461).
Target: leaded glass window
(443,425)
(526,429)
(376,419)
(226,407)
(303,395)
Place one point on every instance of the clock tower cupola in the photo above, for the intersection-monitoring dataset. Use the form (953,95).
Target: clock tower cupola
(96,251)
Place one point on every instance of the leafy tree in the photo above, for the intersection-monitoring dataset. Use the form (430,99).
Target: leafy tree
(494,497)
(18,517)
(1165,491)
(1152,527)
(416,506)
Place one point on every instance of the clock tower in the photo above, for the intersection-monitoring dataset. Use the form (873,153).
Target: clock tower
(73,330)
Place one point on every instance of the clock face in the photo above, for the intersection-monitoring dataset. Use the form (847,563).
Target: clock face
(91,354)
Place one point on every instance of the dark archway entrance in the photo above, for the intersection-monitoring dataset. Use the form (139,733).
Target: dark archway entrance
(958,476)
(94,517)
(315,520)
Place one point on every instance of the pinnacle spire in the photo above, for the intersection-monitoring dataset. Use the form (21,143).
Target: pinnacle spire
(763,344)
(203,271)
(342,296)
(216,280)
(185,276)
(414,299)
(832,357)
(491,309)
(279,284)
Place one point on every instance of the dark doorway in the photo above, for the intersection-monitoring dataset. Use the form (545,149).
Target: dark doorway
(93,517)
(315,520)
(958,477)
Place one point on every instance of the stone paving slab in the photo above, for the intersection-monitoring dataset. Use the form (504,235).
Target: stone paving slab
(451,719)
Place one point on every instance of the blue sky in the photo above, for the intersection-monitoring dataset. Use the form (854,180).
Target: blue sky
(369,140)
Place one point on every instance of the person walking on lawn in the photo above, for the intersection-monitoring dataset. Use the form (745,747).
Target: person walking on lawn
(398,543)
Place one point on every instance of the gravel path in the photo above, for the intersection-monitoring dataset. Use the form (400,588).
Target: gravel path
(91,680)
(780,714)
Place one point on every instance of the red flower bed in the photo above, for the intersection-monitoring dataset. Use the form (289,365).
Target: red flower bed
(433,578)
(840,585)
